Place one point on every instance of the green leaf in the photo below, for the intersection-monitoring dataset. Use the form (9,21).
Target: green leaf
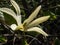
(57,42)
(9,19)
(2,39)
(24,42)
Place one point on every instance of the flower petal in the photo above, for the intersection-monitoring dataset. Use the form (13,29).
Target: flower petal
(39,30)
(20,27)
(16,6)
(18,18)
(11,12)
(38,21)
(13,26)
(8,11)
(33,15)
(1,17)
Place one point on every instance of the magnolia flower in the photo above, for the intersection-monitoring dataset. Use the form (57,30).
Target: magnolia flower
(29,24)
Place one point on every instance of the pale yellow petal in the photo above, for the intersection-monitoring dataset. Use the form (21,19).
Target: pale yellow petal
(18,18)
(20,27)
(39,30)
(33,15)
(8,11)
(38,21)
(13,26)
(16,6)
(11,13)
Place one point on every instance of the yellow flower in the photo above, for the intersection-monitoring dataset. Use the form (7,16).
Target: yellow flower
(29,24)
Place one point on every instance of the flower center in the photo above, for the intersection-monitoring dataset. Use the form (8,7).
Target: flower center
(20,27)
